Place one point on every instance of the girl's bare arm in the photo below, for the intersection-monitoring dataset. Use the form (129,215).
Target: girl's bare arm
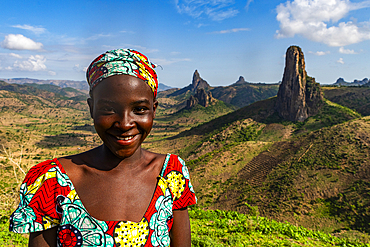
(47,238)
(180,232)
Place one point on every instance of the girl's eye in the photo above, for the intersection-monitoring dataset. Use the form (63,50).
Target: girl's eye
(107,109)
(140,109)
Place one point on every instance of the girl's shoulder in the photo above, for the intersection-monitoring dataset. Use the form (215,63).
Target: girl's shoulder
(41,169)
(173,163)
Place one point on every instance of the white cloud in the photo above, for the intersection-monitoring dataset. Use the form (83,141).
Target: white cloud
(216,10)
(33,63)
(310,19)
(15,55)
(79,68)
(162,62)
(248,3)
(20,42)
(36,30)
(219,15)
(51,72)
(234,30)
(346,51)
(319,53)
(98,36)
(340,61)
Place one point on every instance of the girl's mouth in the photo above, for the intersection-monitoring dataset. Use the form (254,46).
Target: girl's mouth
(124,138)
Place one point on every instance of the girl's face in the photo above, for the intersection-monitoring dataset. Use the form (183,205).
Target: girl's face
(123,109)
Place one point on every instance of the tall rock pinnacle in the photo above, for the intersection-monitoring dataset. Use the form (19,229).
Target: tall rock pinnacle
(299,96)
(198,82)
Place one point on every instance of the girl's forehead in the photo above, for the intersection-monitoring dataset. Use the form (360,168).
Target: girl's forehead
(123,86)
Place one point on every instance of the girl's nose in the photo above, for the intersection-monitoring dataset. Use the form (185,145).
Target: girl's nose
(124,122)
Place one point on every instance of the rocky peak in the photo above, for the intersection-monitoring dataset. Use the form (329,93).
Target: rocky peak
(201,97)
(340,81)
(198,82)
(361,82)
(299,96)
(240,80)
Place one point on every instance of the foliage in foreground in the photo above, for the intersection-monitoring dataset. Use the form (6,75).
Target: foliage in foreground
(9,238)
(229,228)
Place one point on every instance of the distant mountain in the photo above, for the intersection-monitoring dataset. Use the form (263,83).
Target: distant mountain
(51,96)
(80,85)
(342,82)
(66,91)
(243,93)
(239,94)
(163,87)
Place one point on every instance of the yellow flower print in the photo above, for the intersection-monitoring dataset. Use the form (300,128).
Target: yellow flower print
(128,233)
(176,183)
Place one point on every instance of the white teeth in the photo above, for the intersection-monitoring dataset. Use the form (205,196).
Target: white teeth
(125,138)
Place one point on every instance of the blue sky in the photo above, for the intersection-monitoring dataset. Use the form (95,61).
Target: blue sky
(222,39)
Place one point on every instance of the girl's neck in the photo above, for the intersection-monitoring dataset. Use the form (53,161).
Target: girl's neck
(104,159)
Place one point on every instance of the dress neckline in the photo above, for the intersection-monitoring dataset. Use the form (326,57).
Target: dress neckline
(160,176)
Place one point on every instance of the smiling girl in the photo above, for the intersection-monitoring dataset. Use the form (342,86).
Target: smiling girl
(117,194)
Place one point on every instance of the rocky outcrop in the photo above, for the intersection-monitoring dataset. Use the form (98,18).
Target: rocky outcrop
(342,82)
(241,80)
(201,97)
(197,83)
(299,96)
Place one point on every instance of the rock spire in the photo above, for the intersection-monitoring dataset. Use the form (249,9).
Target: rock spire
(299,96)
(201,97)
(198,81)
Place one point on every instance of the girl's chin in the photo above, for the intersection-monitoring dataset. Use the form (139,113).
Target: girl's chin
(122,154)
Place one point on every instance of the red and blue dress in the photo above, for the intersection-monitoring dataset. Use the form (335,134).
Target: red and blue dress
(48,199)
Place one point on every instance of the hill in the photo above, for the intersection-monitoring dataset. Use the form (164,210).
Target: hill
(66,91)
(299,168)
(356,98)
(243,94)
(80,85)
(22,95)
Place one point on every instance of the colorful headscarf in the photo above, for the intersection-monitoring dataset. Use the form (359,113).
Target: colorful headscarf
(122,61)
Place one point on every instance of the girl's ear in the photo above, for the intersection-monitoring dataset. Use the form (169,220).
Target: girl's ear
(155,105)
(90,102)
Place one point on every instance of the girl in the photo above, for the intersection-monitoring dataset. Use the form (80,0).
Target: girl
(117,194)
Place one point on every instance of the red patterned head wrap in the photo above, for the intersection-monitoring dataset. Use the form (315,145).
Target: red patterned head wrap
(122,61)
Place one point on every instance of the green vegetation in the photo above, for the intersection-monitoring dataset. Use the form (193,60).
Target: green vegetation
(9,238)
(228,228)
(330,114)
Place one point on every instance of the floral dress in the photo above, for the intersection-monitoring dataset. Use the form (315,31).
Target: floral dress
(48,199)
